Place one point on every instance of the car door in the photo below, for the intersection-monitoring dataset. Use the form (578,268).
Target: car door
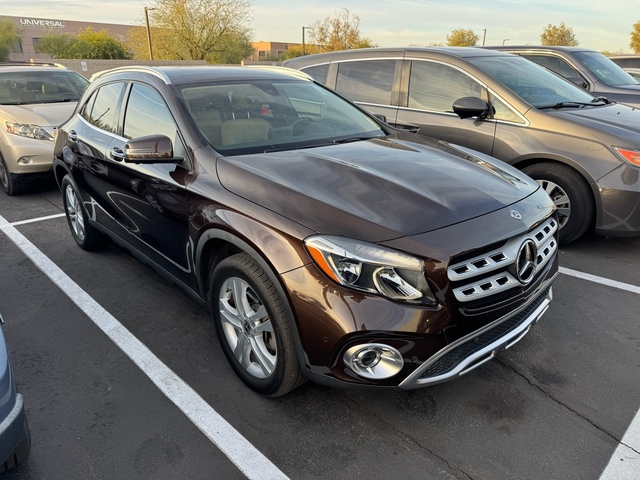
(431,88)
(151,198)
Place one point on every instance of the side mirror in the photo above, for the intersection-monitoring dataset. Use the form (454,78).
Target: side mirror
(150,149)
(579,81)
(382,118)
(467,107)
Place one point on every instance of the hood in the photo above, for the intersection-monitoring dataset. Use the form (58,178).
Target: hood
(620,120)
(377,189)
(42,114)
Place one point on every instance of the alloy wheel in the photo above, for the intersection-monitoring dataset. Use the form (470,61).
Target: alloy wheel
(74,212)
(247,328)
(560,199)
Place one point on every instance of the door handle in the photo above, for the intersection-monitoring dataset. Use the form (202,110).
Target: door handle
(117,154)
(73,136)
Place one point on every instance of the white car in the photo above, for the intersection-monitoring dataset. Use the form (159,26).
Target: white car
(34,100)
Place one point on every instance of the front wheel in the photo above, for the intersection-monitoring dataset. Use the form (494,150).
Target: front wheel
(9,184)
(571,195)
(254,326)
(85,235)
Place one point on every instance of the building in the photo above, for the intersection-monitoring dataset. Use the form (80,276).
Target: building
(269,51)
(32,29)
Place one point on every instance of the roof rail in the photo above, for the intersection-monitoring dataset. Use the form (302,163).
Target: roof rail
(35,64)
(139,68)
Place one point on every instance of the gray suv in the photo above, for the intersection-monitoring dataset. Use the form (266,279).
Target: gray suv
(583,150)
(586,68)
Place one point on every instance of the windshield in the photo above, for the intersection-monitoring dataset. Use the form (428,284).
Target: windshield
(607,72)
(23,88)
(534,84)
(262,116)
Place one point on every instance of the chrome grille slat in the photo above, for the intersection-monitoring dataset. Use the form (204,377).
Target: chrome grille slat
(498,262)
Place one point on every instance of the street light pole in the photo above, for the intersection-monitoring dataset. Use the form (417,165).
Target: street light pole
(303,29)
(506,39)
(146,19)
(484,36)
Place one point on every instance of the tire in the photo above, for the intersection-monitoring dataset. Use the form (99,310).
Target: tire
(571,194)
(10,185)
(256,333)
(86,236)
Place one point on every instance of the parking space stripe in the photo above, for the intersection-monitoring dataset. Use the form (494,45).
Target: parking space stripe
(601,280)
(249,460)
(39,219)
(625,461)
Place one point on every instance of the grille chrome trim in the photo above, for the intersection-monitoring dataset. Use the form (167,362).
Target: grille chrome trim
(475,349)
(499,260)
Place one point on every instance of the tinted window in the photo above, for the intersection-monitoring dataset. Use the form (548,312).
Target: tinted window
(103,113)
(261,116)
(434,86)
(555,64)
(607,72)
(41,87)
(147,114)
(318,72)
(368,81)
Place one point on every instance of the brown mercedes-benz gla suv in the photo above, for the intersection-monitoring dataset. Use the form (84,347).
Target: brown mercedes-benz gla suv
(326,245)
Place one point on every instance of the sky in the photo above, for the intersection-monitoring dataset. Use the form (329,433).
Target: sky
(596,24)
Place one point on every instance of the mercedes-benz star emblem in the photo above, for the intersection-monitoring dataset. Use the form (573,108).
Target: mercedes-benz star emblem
(516,214)
(526,261)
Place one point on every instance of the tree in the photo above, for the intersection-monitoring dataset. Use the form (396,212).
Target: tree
(87,44)
(558,35)
(296,50)
(212,30)
(635,38)
(340,32)
(8,38)
(462,38)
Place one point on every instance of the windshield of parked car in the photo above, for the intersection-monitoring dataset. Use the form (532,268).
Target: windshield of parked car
(23,88)
(534,84)
(262,116)
(607,72)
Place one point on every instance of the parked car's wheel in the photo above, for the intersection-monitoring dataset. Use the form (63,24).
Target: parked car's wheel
(9,185)
(571,194)
(86,236)
(254,327)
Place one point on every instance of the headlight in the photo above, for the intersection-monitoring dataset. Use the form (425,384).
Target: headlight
(371,268)
(30,131)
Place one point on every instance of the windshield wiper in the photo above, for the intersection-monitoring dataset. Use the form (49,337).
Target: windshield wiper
(594,102)
(356,138)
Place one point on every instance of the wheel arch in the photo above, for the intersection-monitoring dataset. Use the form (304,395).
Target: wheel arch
(529,160)
(214,245)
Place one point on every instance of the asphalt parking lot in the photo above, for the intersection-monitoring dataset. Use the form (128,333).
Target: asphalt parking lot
(123,378)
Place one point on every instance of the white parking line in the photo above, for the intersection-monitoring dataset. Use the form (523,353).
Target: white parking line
(625,461)
(601,280)
(39,219)
(237,448)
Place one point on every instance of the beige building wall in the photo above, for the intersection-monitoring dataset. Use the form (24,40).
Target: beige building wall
(33,28)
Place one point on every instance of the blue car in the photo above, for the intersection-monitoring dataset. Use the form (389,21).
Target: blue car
(15,439)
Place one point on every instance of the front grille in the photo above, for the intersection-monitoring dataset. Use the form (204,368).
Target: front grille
(455,356)
(494,272)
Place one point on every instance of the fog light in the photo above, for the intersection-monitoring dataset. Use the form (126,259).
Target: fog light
(24,161)
(374,360)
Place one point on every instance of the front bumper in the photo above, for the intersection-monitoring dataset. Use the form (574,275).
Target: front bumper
(619,213)
(13,430)
(473,350)
(25,155)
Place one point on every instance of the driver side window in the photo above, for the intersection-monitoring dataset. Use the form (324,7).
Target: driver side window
(435,86)
(148,114)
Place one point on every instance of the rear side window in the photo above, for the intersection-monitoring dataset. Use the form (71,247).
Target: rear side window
(103,113)
(369,81)
(435,87)
(318,72)
(555,64)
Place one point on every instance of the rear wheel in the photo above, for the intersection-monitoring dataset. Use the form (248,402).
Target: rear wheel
(10,185)
(21,452)
(571,195)
(86,236)
(254,327)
